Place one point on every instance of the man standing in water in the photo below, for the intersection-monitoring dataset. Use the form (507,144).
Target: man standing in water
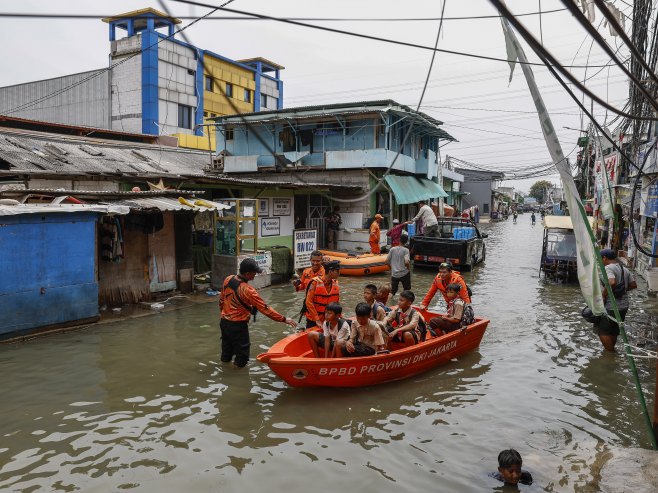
(621,281)
(238,301)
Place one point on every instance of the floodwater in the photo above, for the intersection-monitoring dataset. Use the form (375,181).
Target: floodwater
(145,404)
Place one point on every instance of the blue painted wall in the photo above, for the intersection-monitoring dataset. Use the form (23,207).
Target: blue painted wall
(150,79)
(48,267)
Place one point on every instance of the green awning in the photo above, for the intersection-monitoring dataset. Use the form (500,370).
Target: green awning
(411,189)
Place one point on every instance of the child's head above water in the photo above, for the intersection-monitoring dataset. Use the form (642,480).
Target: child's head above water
(509,466)
(369,293)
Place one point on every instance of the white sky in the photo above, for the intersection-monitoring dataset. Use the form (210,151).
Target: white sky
(466,94)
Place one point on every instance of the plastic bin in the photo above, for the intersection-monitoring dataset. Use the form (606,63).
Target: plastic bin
(457,233)
(411,229)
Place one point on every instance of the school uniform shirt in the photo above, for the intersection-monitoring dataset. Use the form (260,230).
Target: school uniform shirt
(369,334)
(408,319)
(336,333)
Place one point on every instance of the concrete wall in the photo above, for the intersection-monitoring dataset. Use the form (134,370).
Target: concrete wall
(126,85)
(86,103)
(271,90)
(480,194)
(177,66)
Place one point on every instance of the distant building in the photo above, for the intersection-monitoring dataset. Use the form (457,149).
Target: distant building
(159,85)
(480,186)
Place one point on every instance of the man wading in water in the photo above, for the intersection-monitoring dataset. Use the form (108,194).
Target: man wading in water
(238,301)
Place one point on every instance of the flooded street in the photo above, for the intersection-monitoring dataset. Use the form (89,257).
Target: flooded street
(145,404)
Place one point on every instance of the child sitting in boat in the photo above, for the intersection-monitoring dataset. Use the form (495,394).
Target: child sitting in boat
(334,329)
(403,324)
(509,469)
(365,336)
(459,315)
(377,310)
(383,294)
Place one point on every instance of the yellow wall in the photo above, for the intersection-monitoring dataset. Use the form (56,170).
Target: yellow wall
(223,72)
(196,141)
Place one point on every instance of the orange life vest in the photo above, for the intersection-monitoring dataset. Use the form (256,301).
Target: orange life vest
(322,297)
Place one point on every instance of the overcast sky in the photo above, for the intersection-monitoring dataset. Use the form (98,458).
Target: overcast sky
(493,121)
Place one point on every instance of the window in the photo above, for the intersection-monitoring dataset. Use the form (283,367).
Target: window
(205,114)
(209,83)
(263,100)
(247,96)
(228,133)
(184,116)
(229,90)
(485,208)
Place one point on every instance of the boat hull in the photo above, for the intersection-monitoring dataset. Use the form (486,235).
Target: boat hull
(358,265)
(289,359)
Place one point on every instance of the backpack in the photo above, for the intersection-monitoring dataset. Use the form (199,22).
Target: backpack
(619,289)
(468,317)
(386,309)
(234,284)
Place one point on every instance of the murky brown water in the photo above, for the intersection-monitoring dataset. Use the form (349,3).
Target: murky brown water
(145,405)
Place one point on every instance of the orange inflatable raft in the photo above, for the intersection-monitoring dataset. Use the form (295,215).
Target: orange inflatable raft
(292,359)
(358,265)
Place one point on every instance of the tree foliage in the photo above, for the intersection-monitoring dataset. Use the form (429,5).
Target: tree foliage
(539,190)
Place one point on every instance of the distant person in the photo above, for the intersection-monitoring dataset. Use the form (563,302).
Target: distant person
(238,301)
(533,219)
(621,281)
(334,329)
(366,337)
(319,293)
(445,276)
(509,469)
(333,225)
(459,314)
(430,225)
(399,260)
(515,216)
(315,270)
(375,233)
(396,232)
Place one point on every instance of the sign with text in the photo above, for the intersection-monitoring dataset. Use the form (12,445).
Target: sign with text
(270,226)
(304,242)
(281,207)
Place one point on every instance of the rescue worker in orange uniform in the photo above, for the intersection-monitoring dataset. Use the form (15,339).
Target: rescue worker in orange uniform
(320,292)
(238,301)
(440,283)
(315,270)
(375,231)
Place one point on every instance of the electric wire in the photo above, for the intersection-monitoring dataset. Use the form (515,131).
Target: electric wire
(551,61)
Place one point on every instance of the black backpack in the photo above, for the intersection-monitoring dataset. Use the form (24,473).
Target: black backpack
(619,289)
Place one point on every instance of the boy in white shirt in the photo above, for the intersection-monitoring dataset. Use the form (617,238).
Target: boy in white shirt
(334,329)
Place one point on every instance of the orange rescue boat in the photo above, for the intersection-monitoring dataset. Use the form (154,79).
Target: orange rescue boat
(358,265)
(292,359)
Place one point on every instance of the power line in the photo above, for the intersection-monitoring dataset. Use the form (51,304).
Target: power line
(361,35)
(553,63)
(27,15)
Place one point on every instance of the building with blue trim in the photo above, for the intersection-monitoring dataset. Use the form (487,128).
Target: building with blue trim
(157,85)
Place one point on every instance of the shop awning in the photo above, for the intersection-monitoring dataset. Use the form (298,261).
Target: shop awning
(410,189)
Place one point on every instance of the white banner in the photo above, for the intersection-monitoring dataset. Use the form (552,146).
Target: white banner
(588,271)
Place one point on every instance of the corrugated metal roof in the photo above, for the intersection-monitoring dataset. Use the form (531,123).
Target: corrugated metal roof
(168,204)
(344,109)
(28,152)
(15,210)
